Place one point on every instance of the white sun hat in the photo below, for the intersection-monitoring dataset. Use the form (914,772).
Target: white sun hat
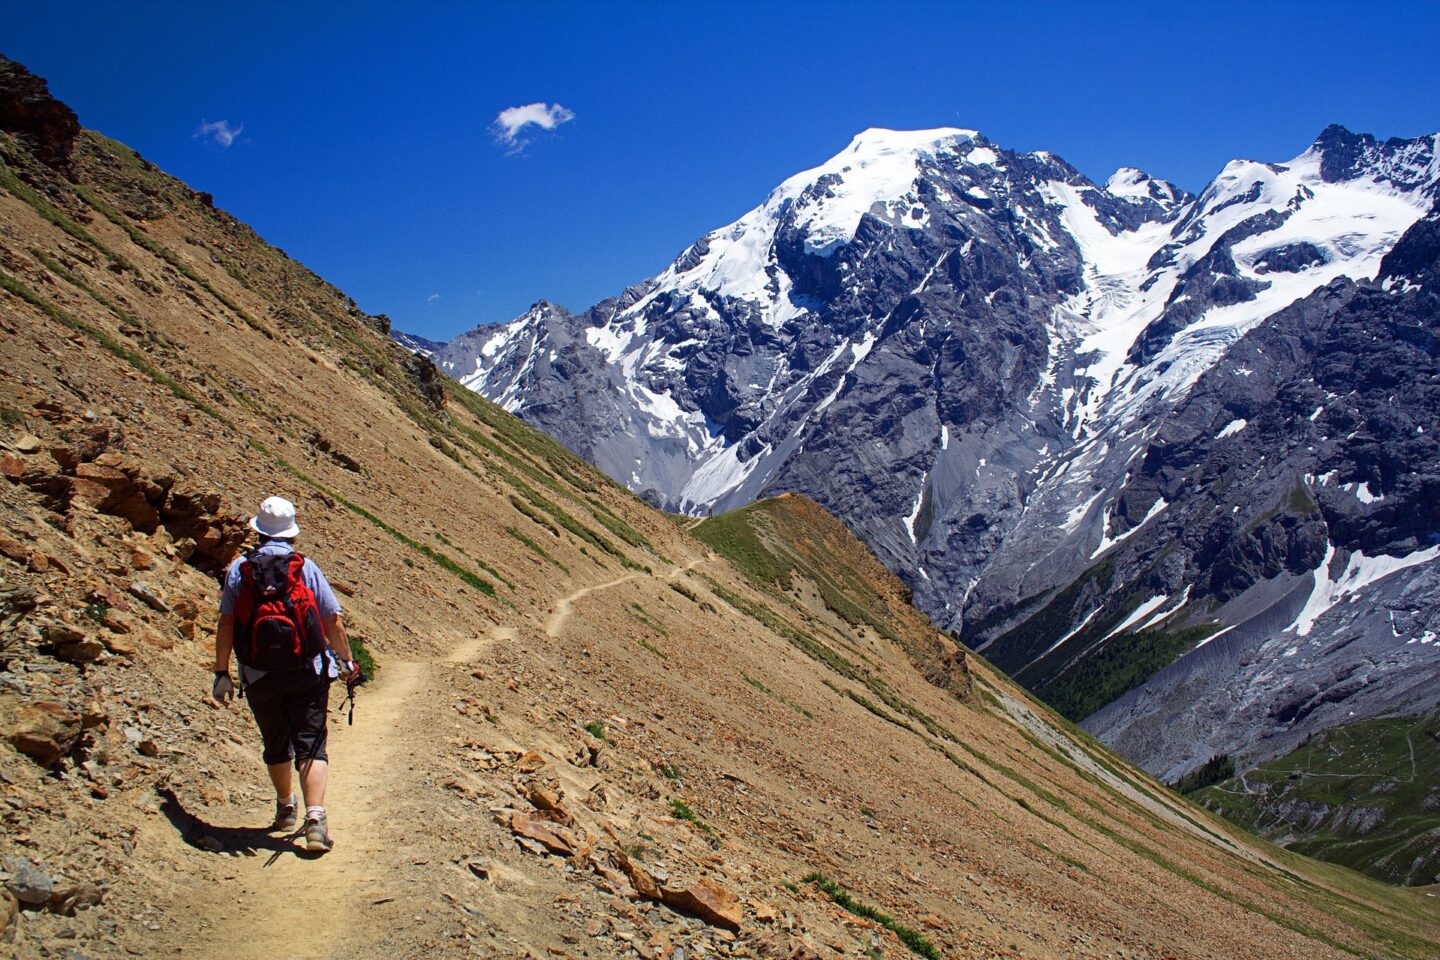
(276,519)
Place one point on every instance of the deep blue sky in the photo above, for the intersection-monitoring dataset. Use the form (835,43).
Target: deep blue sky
(367,150)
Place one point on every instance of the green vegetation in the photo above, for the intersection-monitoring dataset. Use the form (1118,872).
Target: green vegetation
(804,642)
(14,185)
(1023,643)
(669,771)
(141,239)
(638,614)
(781,699)
(469,578)
(18,289)
(1209,773)
(751,539)
(596,729)
(363,657)
(865,702)
(912,938)
(539,550)
(1122,663)
(680,810)
(692,596)
(1375,784)
(97,611)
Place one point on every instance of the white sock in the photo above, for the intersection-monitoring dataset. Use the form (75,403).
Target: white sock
(314,813)
(288,801)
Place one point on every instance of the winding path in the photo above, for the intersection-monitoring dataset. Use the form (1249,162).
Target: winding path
(342,904)
(565,607)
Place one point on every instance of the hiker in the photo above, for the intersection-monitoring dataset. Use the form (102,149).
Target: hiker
(279,615)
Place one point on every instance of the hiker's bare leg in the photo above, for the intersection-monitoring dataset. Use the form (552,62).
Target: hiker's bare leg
(313,777)
(280,776)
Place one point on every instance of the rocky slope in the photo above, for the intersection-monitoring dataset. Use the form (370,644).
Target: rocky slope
(1303,524)
(1037,399)
(588,735)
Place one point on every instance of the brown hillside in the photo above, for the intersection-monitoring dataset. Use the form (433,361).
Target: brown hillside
(591,734)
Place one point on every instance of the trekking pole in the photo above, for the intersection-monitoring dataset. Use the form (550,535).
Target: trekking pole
(350,686)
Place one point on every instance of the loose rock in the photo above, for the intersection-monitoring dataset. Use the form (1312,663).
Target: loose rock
(44,731)
(707,900)
(28,883)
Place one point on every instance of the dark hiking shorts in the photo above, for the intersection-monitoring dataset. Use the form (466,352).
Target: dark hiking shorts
(290,709)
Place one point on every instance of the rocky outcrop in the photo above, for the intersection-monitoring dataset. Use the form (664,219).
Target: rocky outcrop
(90,475)
(427,380)
(47,126)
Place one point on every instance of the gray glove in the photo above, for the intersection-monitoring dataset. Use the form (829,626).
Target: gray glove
(224,688)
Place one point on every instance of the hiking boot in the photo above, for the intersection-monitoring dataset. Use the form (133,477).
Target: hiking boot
(317,834)
(285,815)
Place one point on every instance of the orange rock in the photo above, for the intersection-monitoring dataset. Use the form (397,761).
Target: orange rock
(44,731)
(640,878)
(118,645)
(550,803)
(553,837)
(707,900)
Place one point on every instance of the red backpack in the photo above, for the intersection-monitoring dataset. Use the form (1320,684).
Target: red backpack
(277,621)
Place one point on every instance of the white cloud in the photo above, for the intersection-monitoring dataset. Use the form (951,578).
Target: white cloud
(510,122)
(220,132)
(432,298)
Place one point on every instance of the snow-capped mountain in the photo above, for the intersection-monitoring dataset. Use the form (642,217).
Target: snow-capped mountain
(963,351)
(417,344)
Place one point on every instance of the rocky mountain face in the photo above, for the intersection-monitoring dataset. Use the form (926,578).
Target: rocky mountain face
(1067,414)
(589,734)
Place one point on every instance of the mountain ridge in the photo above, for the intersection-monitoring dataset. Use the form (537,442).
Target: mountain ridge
(612,784)
(976,373)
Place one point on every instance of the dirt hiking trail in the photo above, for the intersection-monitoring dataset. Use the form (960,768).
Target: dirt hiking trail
(565,607)
(342,904)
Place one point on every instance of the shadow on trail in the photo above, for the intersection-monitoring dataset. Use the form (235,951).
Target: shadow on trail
(225,841)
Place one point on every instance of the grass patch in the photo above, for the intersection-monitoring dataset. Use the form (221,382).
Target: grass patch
(738,536)
(638,614)
(467,577)
(1212,771)
(778,697)
(538,550)
(912,938)
(363,657)
(804,642)
(65,318)
(875,709)
(692,596)
(680,810)
(1369,782)
(50,212)
(596,729)
(653,649)
(141,239)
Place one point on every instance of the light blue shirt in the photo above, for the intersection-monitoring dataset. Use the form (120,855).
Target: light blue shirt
(325,601)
